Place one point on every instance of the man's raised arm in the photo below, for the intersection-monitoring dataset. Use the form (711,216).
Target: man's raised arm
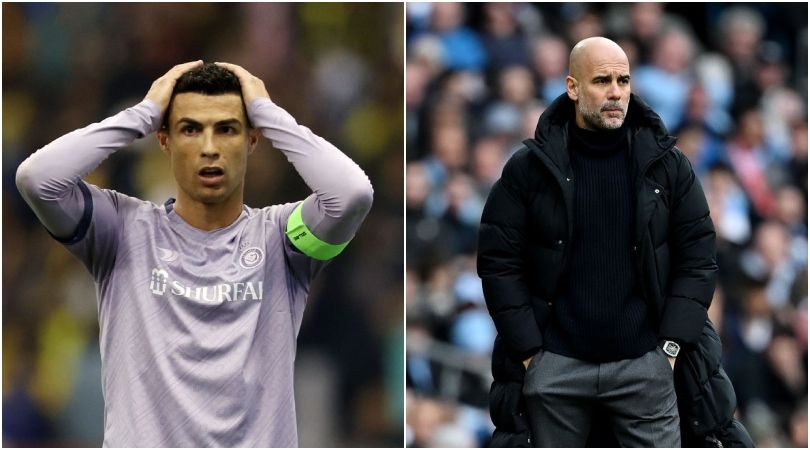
(50,179)
(342,194)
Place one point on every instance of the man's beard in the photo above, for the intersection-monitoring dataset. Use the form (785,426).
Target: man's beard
(595,120)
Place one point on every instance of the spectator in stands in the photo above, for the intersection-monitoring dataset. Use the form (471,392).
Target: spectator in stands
(503,40)
(463,49)
(550,64)
(749,158)
(672,55)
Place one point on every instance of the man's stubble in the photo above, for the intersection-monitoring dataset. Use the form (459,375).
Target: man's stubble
(594,119)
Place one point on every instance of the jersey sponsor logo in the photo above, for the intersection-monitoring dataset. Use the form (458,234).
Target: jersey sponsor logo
(215,294)
(251,257)
(167,255)
(157,283)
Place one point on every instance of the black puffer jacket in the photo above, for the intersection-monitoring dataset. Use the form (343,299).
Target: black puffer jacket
(526,227)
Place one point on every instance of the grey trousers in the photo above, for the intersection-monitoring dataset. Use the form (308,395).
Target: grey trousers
(638,394)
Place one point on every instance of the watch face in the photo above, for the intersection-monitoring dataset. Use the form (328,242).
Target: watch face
(671,348)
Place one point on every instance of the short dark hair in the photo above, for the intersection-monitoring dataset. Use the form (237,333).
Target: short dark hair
(208,79)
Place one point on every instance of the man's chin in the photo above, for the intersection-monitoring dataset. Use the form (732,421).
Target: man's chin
(612,123)
(603,122)
(212,197)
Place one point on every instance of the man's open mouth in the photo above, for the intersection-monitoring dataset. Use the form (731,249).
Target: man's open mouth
(211,175)
(211,171)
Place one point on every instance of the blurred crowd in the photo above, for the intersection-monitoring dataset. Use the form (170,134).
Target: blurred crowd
(337,68)
(728,80)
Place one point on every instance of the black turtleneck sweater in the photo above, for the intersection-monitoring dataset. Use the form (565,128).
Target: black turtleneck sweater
(599,314)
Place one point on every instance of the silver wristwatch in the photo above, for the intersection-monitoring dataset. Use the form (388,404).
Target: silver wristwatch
(671,348)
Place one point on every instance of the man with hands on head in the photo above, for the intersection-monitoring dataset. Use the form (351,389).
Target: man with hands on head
(200,299)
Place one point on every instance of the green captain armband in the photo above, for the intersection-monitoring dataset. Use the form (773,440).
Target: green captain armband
(303,239)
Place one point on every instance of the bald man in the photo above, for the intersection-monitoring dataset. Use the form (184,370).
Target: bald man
(596,252)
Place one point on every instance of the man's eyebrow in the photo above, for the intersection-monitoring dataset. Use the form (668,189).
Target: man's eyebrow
(189,121)
(625,76)
(228,122)
(220,123)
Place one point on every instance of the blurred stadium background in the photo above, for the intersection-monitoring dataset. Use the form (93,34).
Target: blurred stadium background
(729,80)
(336,68)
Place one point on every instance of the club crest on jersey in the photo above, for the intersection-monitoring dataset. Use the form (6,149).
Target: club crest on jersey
(251,257)
(167,255)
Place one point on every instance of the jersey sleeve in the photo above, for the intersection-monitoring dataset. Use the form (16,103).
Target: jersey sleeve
(322,225)
(77,214)
(301,269)
(303,266)
(304,239)
(95,241)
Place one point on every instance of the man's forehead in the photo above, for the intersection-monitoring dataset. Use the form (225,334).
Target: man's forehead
(606,61)
(207,108)
(610,69)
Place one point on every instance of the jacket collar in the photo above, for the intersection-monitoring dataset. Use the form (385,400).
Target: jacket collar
(648,135)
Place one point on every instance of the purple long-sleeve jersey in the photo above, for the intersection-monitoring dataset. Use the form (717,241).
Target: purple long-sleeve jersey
(197,328)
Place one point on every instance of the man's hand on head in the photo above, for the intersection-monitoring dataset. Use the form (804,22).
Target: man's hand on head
(161,90)
(252,87)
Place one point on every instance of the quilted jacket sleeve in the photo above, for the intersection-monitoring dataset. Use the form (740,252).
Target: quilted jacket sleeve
(501,240)
(694,268)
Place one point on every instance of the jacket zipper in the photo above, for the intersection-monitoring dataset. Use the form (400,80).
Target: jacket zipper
(639,234)
(566,203)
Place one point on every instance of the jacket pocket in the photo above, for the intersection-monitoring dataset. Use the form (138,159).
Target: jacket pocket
(706,396)
(708,405)
(506,406)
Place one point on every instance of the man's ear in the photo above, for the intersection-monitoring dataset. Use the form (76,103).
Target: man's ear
(253,139)
(571,87)
(163,139)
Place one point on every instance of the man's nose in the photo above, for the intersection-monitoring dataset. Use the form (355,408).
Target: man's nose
(209,149)
(615,92)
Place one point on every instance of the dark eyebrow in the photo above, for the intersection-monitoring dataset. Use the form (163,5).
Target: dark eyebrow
(228,122)
(188,121)
(625,77)
(217,124)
